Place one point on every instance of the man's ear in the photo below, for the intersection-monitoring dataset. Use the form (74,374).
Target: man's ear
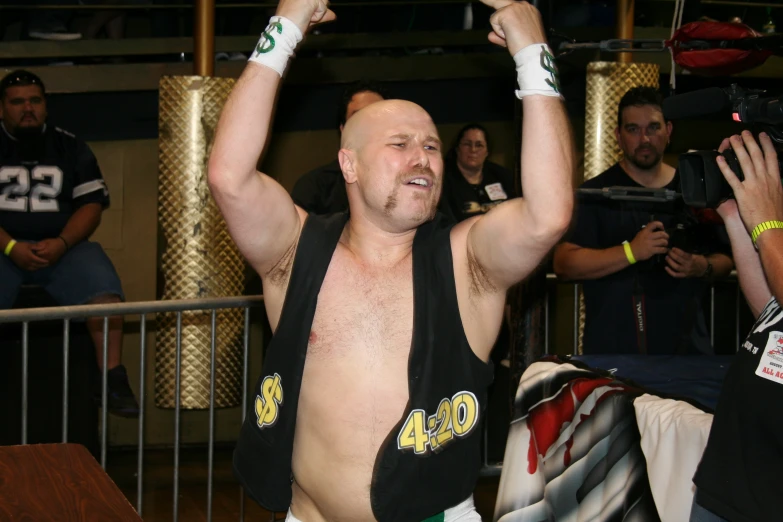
(669,128)
(347,160)
(617,134)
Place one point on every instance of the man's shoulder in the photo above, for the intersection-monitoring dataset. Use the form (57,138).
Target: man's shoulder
(612,176)
(331,168)
(323,175)
(65,137)
(5,142)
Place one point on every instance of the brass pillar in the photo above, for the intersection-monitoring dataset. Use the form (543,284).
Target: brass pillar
(624,26)
(198,257)
(204,38)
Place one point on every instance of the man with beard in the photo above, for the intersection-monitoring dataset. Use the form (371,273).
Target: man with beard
(52,195)
(642,285)
(374,383)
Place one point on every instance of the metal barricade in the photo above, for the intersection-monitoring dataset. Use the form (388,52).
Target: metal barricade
(67,313)
(142,309)
(552,281)
(495,468)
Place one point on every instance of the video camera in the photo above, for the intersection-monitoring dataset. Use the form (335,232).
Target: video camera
(658,204)
(702,183)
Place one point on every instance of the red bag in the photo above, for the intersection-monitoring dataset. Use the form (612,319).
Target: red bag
(714,60)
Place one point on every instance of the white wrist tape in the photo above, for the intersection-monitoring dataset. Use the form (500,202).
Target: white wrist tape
(277,44)
(536,71)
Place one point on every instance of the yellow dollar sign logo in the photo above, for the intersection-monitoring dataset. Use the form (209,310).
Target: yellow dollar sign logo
(262,46)
(548,64)
(267,403)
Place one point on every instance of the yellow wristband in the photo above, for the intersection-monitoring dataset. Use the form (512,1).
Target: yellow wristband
(761,227)
(9,247)
(629,252)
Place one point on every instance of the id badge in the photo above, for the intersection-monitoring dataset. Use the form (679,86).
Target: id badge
(495,192)
(771,364)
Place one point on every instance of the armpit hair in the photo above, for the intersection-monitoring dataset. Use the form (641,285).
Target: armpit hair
(480,283)
(278,275)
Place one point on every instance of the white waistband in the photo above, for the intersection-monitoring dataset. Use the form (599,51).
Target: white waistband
(465,511)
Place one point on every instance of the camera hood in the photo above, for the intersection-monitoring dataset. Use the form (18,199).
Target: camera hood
(701,182)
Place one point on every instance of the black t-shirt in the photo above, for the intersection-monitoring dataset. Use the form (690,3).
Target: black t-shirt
(467,200)
(739,477)
(673,318)
(44,180)
(322,191)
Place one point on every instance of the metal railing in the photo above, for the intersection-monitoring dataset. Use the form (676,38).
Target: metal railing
(67,313)
(732,278)
(142,309)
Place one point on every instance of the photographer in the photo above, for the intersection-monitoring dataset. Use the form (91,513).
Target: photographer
(644,265)
(738,478)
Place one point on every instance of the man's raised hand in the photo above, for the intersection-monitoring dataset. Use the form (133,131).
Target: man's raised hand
(515,24)
(306,13)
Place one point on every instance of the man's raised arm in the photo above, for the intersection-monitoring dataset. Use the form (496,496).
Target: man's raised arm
(260,214)
(512,239)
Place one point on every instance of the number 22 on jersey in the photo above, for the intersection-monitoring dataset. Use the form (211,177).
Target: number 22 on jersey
(42,198)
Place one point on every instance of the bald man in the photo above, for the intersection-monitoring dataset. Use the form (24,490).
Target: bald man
(373,387)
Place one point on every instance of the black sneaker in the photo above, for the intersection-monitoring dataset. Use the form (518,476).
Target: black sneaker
(121,400)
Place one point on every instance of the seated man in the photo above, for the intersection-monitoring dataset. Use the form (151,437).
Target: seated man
(322,191)
(52,195)
(644,265)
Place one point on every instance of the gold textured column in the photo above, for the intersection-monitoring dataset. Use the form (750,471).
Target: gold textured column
(198,257)
(607,82)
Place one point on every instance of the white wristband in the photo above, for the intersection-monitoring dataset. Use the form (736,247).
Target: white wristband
(536,71)
(277,44)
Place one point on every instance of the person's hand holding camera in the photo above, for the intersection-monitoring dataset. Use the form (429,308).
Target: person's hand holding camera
(650,241)
(757,199)
(760,196)
(682,264)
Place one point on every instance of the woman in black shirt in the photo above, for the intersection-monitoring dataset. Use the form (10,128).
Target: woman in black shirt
(472,185)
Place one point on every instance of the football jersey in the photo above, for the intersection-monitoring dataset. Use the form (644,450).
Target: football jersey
(44,180)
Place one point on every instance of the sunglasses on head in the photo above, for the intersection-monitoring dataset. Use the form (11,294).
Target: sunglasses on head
(20,78)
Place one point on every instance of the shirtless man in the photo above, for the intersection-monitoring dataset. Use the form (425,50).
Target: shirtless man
(395,310)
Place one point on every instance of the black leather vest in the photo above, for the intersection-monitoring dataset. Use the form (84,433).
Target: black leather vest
(431,459)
